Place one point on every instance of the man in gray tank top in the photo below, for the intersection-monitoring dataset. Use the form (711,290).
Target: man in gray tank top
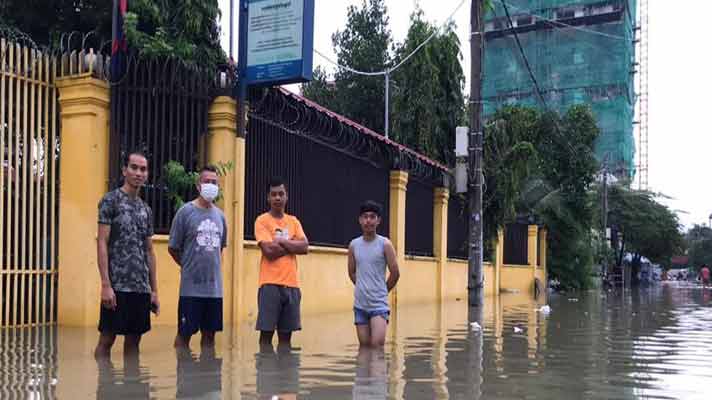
(369,255)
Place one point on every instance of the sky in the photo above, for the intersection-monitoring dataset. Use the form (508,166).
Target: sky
(680,141)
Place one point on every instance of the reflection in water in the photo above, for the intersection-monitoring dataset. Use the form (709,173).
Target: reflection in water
(650,343)
(277,373)
(371,371)
(129,382)
(198,378)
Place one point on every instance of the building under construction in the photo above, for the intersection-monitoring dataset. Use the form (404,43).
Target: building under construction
(579,52)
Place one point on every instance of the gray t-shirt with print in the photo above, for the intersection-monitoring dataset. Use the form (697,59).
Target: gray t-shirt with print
(131,222)
(199,235)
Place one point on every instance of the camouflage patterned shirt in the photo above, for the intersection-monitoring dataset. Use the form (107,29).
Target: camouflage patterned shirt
(131,223)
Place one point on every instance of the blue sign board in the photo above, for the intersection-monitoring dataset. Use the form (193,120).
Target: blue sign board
(276,41)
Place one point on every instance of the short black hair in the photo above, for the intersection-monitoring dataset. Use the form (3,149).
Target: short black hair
(208,168)
(274,182)
(370,206)
(134,152)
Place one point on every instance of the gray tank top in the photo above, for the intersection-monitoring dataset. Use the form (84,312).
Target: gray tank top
(371,293)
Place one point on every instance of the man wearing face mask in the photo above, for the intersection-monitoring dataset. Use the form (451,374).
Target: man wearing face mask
(198,235)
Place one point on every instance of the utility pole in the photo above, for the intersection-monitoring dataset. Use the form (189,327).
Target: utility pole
(475,276)
(232,26)
(604,215)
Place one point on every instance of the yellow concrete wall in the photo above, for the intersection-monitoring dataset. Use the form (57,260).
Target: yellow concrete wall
(84,113)
(489,279)
(456,279)
(168,275)
(326,287)
(323,277)
(541,275)
(517,277)
(418,281)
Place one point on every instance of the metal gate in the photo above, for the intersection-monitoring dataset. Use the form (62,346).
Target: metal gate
(29,139)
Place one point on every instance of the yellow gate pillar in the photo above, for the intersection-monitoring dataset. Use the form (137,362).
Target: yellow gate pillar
(398,188)
(542,254)
(532,250)
(223,148)
(441,196)
(83,180)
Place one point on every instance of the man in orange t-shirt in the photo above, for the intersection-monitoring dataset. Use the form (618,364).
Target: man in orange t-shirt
(280,237)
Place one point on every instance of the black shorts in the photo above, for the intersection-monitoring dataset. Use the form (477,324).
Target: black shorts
(132,315)
(199,314)
(278,307)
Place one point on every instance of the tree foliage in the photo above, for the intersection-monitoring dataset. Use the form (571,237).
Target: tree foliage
(698,241)
(363,45)
(648,228)
(426,92)
(44,21)
(543,164)
(184,29)
(428,100)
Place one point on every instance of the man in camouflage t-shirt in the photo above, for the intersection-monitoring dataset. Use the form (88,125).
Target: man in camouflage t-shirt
(127,263)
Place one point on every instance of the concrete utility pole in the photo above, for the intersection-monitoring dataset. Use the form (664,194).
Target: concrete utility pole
(475,274)
(604,214)
(232,26)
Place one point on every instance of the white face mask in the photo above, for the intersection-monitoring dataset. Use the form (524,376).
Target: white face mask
(209,191)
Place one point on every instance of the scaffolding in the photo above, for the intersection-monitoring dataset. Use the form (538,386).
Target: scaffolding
(642,122)
(580,52)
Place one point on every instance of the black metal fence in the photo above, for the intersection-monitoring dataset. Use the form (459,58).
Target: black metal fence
(331,166)
(538,246)
(419,219)
(457,228)
(516,238)
(160,108)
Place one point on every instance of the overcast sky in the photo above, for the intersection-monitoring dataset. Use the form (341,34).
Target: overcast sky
(680,150)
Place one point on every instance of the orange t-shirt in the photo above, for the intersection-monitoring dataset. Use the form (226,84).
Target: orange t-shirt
(282,271)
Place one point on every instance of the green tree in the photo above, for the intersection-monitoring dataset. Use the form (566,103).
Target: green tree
(567,163)
(363,45)
(428,100)
(698,241)
(320,89)
(508,160)
(44,21)
(184,29)
(552,183)
(648,229)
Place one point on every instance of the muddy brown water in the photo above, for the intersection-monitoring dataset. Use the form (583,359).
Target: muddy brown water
(649,343)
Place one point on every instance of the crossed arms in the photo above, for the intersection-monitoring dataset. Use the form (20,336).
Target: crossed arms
(280,247)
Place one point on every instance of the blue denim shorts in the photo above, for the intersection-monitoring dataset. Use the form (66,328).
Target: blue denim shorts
(362,317)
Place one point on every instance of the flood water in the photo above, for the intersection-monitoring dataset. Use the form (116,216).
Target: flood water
(653,343)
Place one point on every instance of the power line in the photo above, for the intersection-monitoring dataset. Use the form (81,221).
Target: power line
(561,24)
(533,78)
(524,57)
(389,70)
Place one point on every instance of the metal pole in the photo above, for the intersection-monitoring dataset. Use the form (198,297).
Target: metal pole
(475,276)
(388,84)
(604,216)
(232,26)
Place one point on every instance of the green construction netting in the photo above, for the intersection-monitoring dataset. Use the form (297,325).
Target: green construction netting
(571,66)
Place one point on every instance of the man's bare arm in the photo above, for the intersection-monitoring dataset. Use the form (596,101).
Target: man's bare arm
(352,265)
(272,250)
(108,298)
(295,246)
(152,274)
(392,260)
